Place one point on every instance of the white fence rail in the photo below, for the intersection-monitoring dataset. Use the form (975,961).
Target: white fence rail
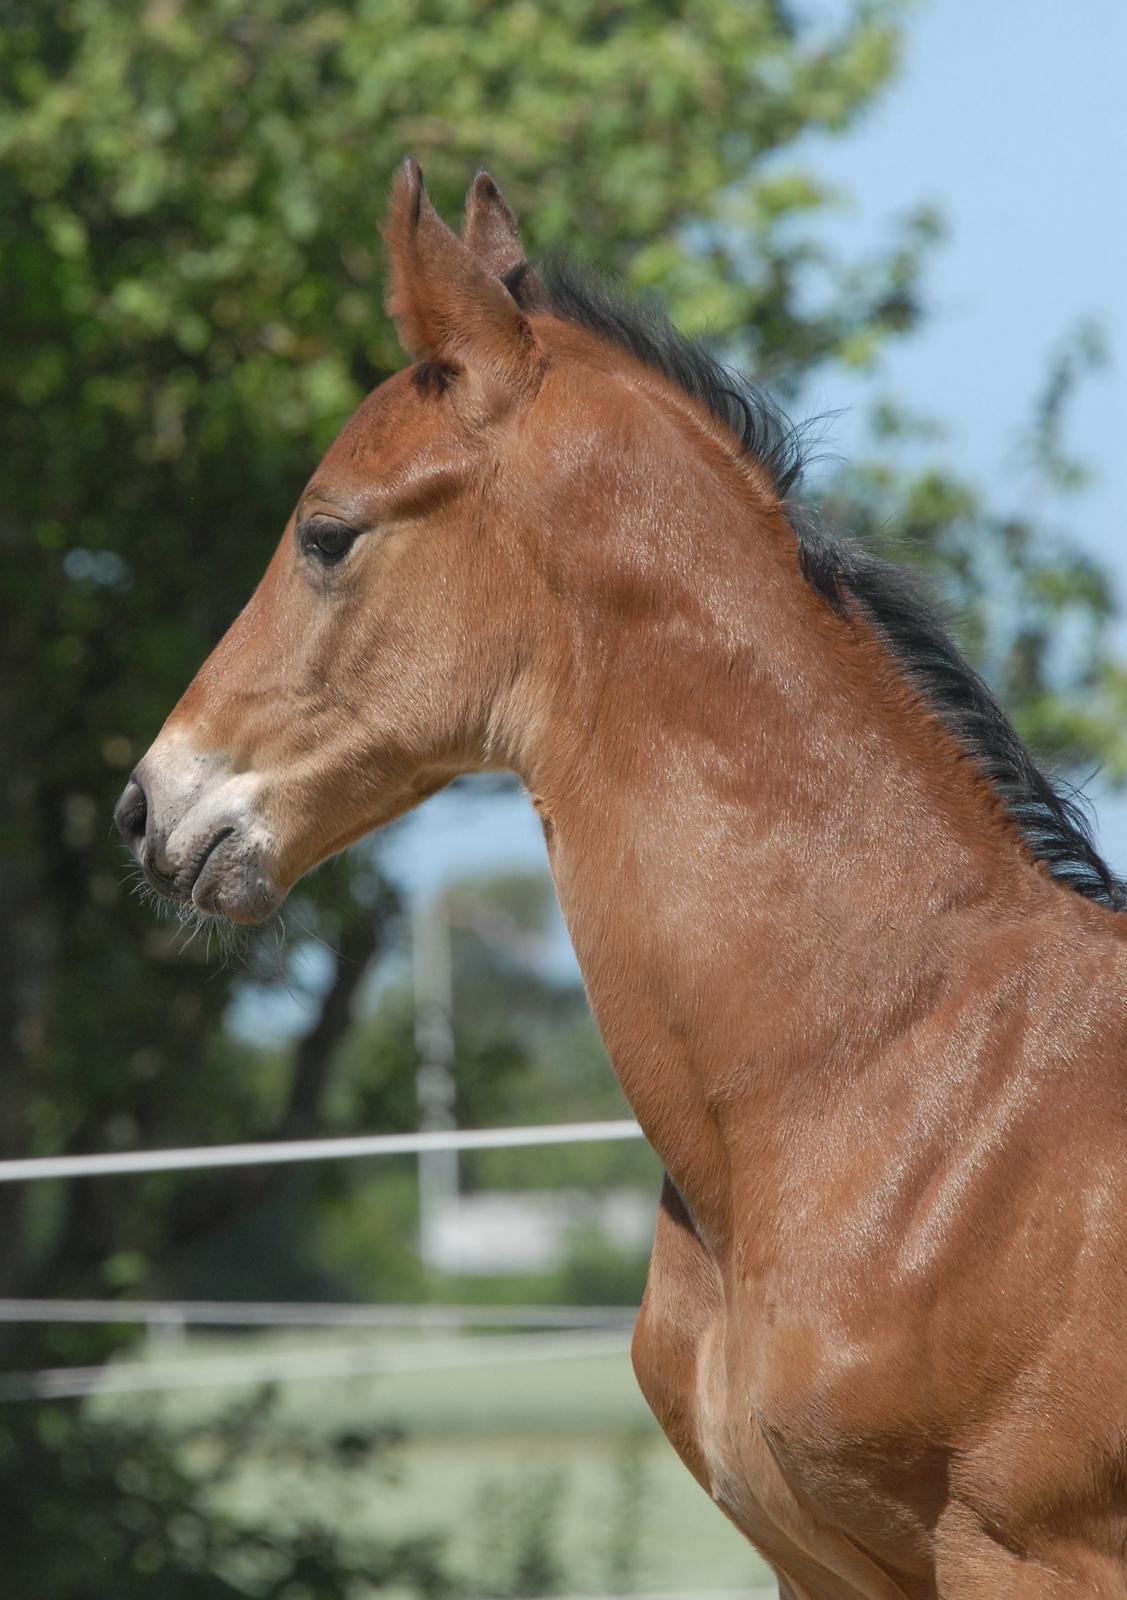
(567,1331)
(171,1314)
(286,1366)
(202,1157)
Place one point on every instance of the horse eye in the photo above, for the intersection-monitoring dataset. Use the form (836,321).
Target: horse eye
(326,542)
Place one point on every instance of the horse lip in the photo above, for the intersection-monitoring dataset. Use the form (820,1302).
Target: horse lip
(224,833)
(179,886)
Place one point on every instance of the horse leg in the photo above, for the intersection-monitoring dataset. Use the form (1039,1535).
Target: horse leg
(682,1309)
(792,1589)
(682,1301)
(682,1304)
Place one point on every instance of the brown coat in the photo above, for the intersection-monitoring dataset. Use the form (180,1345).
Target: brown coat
(859,975)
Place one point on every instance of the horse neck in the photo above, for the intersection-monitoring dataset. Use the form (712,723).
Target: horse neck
(770,856)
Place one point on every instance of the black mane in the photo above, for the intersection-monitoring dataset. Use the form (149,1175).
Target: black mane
(849,578)
(642,329)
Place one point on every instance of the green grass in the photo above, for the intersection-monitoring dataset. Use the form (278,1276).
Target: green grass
(553,1469)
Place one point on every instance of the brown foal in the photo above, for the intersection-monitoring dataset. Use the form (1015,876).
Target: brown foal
(856,964)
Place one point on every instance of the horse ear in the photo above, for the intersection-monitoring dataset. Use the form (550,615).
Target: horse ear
(491,232)
(445,304)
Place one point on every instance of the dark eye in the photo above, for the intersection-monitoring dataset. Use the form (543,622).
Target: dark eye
(326,541)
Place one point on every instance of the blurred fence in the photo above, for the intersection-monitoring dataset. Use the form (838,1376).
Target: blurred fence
(202,1157)
(565,1331)
(562,1333)
(478,1425)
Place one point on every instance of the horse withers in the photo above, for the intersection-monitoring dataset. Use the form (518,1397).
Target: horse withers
(858,966)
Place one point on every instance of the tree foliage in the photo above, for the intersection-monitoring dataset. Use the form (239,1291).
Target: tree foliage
(191,306)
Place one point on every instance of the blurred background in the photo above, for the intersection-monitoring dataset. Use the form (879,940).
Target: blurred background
(361,1377)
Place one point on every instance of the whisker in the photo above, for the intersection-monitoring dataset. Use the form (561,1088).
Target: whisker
(324,943)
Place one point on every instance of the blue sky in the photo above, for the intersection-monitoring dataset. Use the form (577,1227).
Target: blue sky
(1010,117)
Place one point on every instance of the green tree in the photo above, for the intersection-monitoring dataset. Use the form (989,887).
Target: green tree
(190,305)
(1031,607)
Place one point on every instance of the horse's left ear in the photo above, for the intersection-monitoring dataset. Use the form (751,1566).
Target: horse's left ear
(491,232)
(446,304)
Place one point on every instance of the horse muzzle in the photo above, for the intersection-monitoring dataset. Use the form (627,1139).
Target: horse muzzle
(190,822)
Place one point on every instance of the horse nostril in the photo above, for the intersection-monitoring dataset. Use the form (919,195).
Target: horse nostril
(131,814)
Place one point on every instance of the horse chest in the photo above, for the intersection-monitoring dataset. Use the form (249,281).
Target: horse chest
(742,1476)
(769,1467)
(728,1406)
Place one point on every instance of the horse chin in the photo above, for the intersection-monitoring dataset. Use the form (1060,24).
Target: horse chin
(235,884)
(225,877)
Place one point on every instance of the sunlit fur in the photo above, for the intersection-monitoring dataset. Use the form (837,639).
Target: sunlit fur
(877,1044)
(850,578)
